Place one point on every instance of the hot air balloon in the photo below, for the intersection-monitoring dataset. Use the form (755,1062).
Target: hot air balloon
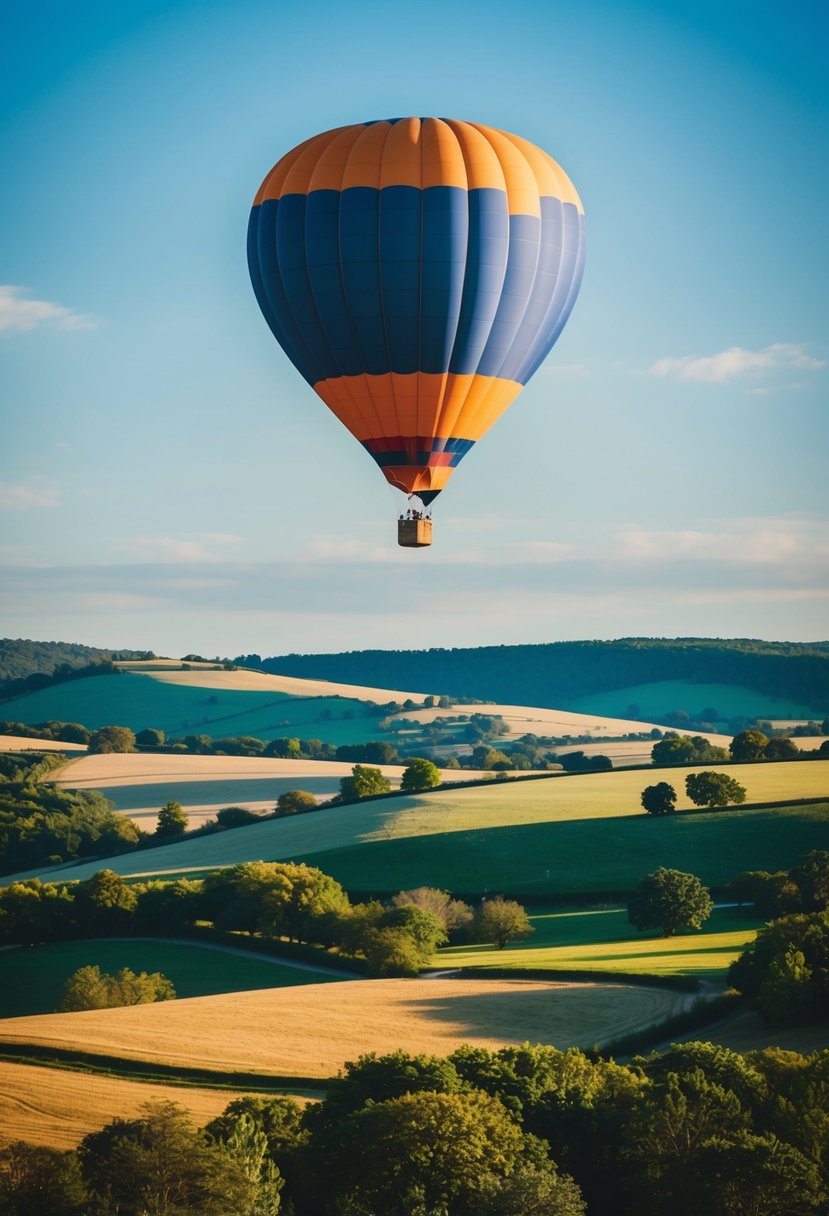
(416,271)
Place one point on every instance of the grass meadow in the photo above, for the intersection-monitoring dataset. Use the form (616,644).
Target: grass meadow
(583,857)
(303,1032)
(603,939)
(32,978)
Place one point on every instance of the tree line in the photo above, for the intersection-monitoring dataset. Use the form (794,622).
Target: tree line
(521,1131)
(269,900)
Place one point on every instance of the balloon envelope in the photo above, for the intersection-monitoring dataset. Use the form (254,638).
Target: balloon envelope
(416,272)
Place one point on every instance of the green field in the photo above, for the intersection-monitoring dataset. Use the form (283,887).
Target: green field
(138,701)
(602,939)
(660,698)
(584,856)
(32,979)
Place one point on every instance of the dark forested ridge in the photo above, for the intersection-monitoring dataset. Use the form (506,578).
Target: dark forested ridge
(549,675)
(21,657)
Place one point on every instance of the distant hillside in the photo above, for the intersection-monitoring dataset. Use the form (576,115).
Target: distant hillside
(21,657)
(558,674)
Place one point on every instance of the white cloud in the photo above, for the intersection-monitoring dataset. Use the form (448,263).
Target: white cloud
(569,371)
(200,548)
(17,497)
(736,361)
(759,541)
(18,313)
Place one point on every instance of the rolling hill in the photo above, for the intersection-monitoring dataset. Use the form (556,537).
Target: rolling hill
(761,676)
(556,835)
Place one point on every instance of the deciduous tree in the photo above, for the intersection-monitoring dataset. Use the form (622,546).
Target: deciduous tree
(501,921)
(670,900)
(714,789)
(659,799)
(420,775)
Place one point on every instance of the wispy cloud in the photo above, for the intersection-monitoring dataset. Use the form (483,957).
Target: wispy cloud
(18,313)
(736,362)
(203,547)
(764,542)
(566,371)
(27,494)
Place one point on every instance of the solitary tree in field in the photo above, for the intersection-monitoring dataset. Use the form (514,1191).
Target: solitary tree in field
(420,775)
(748,745)
(172,820)
(363,783)
(713,789)
(112,739)
(670,900)
(659,799)
(501,921)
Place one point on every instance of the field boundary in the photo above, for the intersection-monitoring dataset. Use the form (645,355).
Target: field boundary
(147,1070)
(676,983)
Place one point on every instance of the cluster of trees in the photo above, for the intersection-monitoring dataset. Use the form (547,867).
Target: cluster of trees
(268,899)
(687,749)
(44,824)
(756,745)
(61,732)
(91,988)
(516,1132)
(706,789)
(785,972)
(749,744)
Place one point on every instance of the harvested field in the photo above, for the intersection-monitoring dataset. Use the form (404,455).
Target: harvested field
(16,743)
(58,1108)
(140,783)
(525,719)
(271,1027)
(246,680)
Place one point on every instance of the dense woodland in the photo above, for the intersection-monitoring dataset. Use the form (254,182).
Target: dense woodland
(550,675)
(522,1131)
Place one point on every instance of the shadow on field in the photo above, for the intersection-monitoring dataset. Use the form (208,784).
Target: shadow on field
(561,1015)
(587,855)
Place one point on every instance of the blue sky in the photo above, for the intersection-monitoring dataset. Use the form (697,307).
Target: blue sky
(168,480)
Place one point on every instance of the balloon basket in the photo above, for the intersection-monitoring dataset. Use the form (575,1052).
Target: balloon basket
(414,533)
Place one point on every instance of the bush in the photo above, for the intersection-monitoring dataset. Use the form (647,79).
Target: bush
(420,775)
(294,802)
(236,817)
(713,789)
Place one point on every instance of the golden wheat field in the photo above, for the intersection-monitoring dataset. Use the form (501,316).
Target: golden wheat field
(267,1031)
(245,680)
(17,743)
(57,1108)
(524,719)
